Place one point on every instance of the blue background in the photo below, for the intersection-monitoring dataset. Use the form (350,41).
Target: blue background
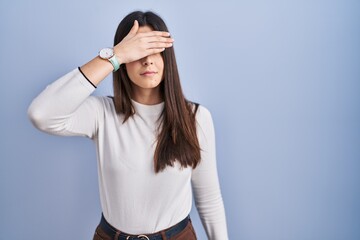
(281,78)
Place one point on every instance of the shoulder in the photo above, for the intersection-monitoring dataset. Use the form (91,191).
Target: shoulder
(203,112)
(202,115)
(199,110)
(204,126)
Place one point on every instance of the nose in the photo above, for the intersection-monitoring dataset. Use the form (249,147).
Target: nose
(146,61)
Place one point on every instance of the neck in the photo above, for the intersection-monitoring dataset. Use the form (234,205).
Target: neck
(147,96)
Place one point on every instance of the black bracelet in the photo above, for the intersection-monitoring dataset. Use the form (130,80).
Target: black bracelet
(86,77)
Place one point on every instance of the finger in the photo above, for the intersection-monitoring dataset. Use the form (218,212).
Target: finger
(154,51)
(154,33)
(159,39)
(159,45)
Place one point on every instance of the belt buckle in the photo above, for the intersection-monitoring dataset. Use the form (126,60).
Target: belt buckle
(142,236)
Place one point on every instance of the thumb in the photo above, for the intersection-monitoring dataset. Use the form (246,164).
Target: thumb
(134,29)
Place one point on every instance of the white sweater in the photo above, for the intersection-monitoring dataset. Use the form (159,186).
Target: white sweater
(133,198)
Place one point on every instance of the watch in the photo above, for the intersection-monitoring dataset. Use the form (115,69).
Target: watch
(108,54)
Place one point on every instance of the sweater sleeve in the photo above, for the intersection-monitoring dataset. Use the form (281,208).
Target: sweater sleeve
(205,182)
(66,108)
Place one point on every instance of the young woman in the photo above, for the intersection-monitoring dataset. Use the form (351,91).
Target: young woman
(153,146)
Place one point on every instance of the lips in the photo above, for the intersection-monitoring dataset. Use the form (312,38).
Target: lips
(148,73)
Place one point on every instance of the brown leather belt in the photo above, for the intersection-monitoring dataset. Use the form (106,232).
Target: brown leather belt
(118,235)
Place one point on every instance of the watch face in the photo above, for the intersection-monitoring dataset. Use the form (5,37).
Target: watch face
(106,53)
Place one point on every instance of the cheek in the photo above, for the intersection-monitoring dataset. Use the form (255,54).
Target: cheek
(130,69)
(160,66)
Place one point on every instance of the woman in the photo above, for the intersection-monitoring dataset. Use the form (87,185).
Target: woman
(153,146)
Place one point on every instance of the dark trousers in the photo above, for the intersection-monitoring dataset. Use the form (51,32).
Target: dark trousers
(105,231)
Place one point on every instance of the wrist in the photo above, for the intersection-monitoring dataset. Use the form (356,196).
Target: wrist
(109,55)
(119,58)
(119,55)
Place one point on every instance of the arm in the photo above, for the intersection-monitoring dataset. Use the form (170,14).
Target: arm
(66,108)
(205,182)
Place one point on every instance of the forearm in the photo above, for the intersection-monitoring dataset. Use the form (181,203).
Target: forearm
(209,203)
(211,210)
(97,70)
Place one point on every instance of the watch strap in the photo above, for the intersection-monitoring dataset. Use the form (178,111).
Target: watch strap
(114,62)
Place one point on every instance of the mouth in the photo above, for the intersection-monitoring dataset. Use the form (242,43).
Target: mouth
(148,73)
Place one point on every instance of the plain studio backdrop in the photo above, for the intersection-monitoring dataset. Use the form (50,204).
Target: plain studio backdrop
(281,79)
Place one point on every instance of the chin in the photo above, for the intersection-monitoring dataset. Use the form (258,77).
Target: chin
(150,84)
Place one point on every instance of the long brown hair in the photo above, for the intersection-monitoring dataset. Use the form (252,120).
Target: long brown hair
(177,139)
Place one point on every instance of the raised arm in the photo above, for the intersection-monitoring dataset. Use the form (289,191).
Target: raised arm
(65,106)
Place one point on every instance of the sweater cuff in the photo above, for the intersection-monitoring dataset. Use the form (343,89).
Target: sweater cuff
(86,77)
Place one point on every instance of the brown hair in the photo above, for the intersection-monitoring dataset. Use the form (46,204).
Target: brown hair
(177,139)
